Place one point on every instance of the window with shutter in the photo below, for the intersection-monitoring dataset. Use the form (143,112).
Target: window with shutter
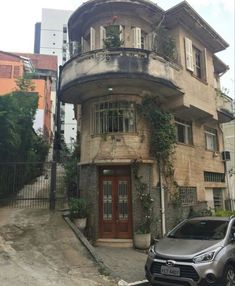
(136,32)
(102,36)
(92,39)
(196,60)
(189,54)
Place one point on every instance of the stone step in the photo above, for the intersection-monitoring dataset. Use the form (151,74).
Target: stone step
(112,242)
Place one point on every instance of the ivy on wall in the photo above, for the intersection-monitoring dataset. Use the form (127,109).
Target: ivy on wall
(162,131)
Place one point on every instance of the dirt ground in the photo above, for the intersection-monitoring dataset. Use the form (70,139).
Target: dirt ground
(37,248)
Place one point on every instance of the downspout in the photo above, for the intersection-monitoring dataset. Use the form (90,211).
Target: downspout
(162,196)
(231,206)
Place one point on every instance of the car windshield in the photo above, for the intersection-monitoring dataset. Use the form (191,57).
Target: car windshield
(200,229)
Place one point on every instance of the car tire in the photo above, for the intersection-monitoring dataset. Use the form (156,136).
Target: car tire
(229,276)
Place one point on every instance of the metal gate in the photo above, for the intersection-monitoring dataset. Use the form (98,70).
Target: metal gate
(32,185)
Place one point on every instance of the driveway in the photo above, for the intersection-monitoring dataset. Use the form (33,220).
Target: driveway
(37,248)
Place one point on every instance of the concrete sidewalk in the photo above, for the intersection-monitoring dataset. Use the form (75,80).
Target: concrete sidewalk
(125,265)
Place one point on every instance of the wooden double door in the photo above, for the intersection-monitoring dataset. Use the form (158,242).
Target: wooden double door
(115,214)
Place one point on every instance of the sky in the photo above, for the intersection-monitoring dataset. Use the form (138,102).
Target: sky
(18,18)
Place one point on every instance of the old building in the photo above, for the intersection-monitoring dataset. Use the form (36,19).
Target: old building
(51,38)
(43,70)
(125,51)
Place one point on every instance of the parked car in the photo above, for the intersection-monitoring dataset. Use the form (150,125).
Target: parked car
(197,252)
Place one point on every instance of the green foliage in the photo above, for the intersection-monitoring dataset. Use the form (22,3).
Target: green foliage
(78,208)
(70,161)
(164,44)
(199,213)
(24,83)
(146,201)
(113,37)
(18,140)
(224,213)
(163,135)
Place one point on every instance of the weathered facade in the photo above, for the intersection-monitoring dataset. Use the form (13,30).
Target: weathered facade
(107,83)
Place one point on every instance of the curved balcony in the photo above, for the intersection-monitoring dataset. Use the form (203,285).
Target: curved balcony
(117,71)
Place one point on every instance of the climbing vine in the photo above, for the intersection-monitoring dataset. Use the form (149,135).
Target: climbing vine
(162,139)
(163,135)
(145,198)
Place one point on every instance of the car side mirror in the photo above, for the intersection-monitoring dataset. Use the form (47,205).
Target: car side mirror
(233,237)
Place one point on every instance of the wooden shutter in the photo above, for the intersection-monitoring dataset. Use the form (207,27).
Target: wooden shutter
(150,41)
(82,45)
(136,37)
(102,36)
(121,35)
(92,39)
(189,54)
(204,66)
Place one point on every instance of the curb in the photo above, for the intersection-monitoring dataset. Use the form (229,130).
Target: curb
(103,267)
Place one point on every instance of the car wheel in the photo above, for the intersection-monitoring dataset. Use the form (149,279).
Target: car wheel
(229,276)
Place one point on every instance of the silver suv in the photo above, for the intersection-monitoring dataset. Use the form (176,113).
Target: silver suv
(197,252)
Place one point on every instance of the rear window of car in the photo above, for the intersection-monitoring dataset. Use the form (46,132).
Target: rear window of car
(201,229)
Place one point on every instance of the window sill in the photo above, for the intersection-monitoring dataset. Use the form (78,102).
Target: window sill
(185,144)
(198,78)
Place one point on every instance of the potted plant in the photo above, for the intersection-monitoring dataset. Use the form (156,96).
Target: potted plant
(142,235)
(78,208)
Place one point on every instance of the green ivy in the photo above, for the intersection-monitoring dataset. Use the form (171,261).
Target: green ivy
(163,135)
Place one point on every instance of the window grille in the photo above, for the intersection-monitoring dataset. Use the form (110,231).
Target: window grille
(218,199)
(188,195)
(111,117)
(214,177)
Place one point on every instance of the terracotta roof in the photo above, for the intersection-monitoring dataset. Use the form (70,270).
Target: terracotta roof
(5,56)
(42,62)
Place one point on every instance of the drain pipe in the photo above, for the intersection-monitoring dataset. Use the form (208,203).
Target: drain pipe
(162,196)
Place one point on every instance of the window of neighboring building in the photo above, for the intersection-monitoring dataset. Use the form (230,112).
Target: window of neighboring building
(211,139)
(16,72)
(5,71)
(195,59)
(118,116)
(188,195)
(218,199)
(214,177)
(64,29)
(183,131)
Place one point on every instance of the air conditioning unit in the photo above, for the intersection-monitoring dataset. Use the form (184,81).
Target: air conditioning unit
(226,156)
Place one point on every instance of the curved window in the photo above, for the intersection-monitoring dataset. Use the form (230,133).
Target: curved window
(112,117)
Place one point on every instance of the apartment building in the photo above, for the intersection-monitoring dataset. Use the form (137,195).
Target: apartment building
(43,70)
(119,59)
(51,38)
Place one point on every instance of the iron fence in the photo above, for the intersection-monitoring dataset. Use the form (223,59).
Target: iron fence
(32,185)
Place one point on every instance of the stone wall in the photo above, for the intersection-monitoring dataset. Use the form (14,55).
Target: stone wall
(89,189)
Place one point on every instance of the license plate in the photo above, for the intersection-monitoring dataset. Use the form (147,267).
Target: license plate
(173,271)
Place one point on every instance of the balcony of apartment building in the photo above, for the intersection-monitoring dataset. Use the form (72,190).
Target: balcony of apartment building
(118,71)
(129,67)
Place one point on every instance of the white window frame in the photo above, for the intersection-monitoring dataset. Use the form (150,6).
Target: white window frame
(187,132)
(190,58)
(103,34)
(211,141)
